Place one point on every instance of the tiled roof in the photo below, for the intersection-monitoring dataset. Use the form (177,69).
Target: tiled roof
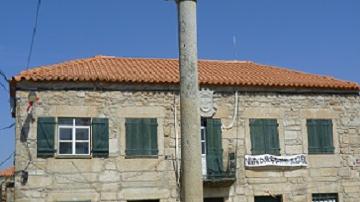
(165,71)
(8,172)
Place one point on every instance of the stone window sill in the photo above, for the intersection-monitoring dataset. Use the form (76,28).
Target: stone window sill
(316,154)
(73,156)
(142,157)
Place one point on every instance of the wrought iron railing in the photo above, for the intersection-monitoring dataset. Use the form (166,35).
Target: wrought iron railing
(224,175)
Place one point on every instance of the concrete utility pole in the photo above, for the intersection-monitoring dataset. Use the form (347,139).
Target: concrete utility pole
(191,175)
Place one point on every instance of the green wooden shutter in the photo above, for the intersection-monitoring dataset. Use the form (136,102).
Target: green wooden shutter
(327,137)
(257,136)
(271,136)
(134,145)
(214,160)
(320,136)
(313,141)
(100,137)
(264,136)
(150,136)
(45,136)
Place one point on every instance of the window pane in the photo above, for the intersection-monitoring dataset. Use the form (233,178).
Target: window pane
(82,121)
(203,146)
(65,121)
(82,148)
(202,133)
(82,134)
(65,148)
(65,134)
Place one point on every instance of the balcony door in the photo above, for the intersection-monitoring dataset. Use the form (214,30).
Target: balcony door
(211,147)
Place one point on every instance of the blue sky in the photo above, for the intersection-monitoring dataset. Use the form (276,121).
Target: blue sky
(316,36)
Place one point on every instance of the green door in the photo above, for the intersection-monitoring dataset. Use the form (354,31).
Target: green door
(214,161)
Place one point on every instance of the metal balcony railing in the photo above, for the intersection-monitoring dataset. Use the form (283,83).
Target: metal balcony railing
(221,176)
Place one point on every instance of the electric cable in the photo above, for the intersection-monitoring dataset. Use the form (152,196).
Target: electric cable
(9,157)
(33,34)
(3,86)
(3,75)
(8,127)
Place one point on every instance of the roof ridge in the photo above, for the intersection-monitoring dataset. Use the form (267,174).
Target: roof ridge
(306,73)
(158,58)
(103,56)
(133,58)
(226,61)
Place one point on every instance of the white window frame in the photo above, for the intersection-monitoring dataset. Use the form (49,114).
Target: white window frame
(73,141)
(203,144)
(203,140)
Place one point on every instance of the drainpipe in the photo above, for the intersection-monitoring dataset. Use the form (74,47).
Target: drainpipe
(177,154)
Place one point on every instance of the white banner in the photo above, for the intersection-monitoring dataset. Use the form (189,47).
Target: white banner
(272,160)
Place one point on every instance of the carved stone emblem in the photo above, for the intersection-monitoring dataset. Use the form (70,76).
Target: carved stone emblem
(207,106)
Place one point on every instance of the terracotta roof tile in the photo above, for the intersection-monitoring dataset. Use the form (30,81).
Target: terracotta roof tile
(8,172)
(165,71)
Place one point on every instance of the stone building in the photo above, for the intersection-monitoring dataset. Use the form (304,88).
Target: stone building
(107,129)
(7,184)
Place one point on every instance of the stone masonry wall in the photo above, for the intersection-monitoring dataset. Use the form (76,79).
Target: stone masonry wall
(119,179)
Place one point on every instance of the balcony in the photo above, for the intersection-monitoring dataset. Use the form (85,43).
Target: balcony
(217,176)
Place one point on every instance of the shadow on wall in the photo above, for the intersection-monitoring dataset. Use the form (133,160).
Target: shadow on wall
(216,194)
(26,128)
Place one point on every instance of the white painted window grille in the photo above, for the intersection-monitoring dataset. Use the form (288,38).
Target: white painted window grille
(325,197)
(74,136)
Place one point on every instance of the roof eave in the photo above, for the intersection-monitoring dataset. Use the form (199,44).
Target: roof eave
(169,86)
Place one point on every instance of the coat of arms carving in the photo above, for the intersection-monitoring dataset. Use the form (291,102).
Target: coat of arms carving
(207,106)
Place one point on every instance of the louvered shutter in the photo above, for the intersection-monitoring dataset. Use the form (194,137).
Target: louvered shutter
(327,140)
(257,136)
(214,158)
(100,137)
(314,145)
(271,136)
(134,141)
(45,137)
(150,136)
(320,136)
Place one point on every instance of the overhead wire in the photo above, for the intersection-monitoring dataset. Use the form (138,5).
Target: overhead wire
(33,34)
(8,127)
(5,160)
(3,86)
(3,75)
